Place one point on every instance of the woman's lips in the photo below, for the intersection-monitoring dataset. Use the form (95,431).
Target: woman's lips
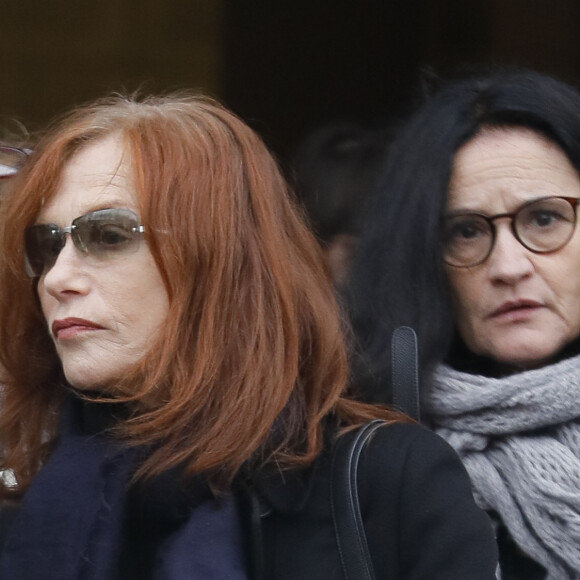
(513,311)
(72,327)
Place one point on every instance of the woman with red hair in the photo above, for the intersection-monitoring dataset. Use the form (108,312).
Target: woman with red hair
(175,370)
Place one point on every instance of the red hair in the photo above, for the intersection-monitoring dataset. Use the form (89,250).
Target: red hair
(252,356)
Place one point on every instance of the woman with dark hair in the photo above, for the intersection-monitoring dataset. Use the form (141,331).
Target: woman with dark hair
(175,371)
(472,240)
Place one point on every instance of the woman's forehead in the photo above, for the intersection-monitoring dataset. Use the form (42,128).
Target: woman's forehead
(501,168)
(98,176)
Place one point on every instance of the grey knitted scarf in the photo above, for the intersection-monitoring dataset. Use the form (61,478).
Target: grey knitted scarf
(519,438)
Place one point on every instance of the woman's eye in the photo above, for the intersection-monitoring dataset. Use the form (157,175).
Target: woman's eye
(466,230)
(112,235)
(544,218)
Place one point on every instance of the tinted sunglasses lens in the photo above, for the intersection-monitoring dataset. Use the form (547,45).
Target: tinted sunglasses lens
(107,231)
(42,245)
(11,160)
(100,233)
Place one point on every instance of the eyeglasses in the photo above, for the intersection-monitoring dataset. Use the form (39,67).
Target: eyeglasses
(11,160)
(102,234)
(542,225)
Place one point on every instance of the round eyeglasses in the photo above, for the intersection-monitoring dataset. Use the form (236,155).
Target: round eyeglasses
(11,160)
(542,225)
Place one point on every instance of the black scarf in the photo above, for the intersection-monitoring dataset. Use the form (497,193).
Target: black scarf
(77,521)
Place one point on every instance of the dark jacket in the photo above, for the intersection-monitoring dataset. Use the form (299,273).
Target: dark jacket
(418,509)
(420,517)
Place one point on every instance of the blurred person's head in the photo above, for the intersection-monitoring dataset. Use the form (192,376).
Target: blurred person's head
(334,171)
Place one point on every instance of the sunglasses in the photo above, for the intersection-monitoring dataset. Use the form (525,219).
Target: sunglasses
(101,234)
(11,160)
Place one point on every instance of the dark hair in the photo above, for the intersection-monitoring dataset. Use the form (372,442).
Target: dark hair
(397,277)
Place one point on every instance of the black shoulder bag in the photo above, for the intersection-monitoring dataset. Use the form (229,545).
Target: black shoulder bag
(405,374)
(348,525)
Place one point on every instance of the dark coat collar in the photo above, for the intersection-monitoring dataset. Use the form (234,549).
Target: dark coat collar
(287,490)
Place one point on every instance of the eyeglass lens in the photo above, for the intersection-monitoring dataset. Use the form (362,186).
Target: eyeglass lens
(101,234)
(11,160)
(543,225)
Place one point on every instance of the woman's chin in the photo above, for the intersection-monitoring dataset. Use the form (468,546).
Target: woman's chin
(521,346)
(94,385)
(524,356)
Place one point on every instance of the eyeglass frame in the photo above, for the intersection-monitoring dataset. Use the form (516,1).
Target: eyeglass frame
(573,201)
(25,153)
(78,242)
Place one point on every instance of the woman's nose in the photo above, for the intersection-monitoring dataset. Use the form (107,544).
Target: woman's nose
(509,260)
(67,275)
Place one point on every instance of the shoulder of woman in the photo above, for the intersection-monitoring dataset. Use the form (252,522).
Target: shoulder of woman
(413,485)
(406,442)
(410,465)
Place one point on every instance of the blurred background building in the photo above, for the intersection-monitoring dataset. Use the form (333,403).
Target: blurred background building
(286,66)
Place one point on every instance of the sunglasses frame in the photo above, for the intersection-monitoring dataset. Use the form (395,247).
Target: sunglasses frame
(80,232)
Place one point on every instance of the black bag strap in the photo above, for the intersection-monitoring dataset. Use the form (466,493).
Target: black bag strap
(348,524)
(405,374)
